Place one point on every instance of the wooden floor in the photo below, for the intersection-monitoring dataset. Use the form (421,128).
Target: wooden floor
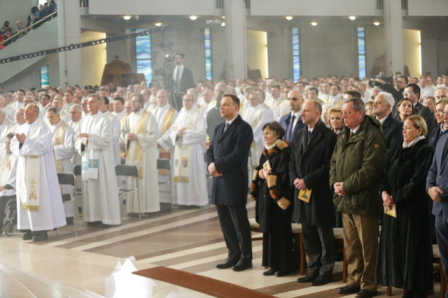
(97,262)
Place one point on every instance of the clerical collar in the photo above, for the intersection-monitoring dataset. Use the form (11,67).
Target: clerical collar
(384,119)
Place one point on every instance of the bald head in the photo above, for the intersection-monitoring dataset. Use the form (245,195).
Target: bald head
(295,101)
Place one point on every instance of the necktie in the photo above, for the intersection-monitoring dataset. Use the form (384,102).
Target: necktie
(226,127)
(309,136)
(289,129)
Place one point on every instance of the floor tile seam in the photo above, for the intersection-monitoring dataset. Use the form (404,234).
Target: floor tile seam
(192,256)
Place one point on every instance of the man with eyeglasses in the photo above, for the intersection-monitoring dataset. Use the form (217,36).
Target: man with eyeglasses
(412,91)
(187,135)
(441,93)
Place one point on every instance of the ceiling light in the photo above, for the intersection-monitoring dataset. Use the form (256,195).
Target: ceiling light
(223,17)
(193,18)
(223,24)
(352,18)
(289,18)
(313,23)
(158,24)
(376,23)
(127,18)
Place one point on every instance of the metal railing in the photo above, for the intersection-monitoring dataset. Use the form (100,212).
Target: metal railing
(379,4)
(48,17)
(219,3)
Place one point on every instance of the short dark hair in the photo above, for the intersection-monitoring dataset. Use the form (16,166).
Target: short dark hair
(47,96)
(276,128)
(353,93)
(235,99)
(120,99)
(141,100)
(182,55)
(68,91)
(106,100)
(433,99)
(276,86)
(403,77)
(314,89)
(415,89)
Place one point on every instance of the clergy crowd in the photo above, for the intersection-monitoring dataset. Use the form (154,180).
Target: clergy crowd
(349,146)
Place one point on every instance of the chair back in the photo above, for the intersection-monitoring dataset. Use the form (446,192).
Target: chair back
(123,161)
(163,164)
(131,171)
(66,179)
(77,170)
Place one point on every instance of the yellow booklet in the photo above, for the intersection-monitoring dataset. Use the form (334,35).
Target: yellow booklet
(267,165)
(305,195)
(391,211)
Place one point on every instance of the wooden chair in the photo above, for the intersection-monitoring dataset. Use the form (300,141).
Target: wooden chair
(339,239)
(437,260)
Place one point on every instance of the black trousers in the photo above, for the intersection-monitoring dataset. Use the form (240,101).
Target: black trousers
(442,240)
(236,230)
(319,246)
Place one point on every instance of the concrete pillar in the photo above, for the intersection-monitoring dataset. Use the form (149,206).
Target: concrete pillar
(235,13)
(69,31)
(393,25)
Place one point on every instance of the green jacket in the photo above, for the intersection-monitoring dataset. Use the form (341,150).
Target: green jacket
(359,163)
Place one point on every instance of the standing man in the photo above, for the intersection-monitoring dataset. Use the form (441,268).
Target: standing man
(119,111)
(75,123)
(335,99)
(5,124)
(19,117)
(63,150)
(278,103)
(292,122)
(140,138)
(94,144)
(358,162)
(309,168)
(183,78)
(392,128)
(41,211)
(227,163)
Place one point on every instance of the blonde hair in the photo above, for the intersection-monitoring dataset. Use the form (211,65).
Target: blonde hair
(418,122)
(333,110)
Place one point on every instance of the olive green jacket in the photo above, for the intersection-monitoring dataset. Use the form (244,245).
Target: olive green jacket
(359,163)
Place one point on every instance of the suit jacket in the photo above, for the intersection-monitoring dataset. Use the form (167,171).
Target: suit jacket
(393,135)
(435,136)
(425,112)
(313,166)
(187,80)
(284,122)
(438,176)
(229,151)
(213,119)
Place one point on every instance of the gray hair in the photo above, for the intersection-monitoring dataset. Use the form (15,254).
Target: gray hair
(77,107)
(358,104)
(29,96)
(388,98)
(54,110)
(248,88)
(442,88)
(255,94)
(194,91)
(270,82)
(223,86)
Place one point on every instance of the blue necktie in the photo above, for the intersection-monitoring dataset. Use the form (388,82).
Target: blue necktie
(309,136)
(289,130)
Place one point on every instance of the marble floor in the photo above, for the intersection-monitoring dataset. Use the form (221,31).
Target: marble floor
(97,262)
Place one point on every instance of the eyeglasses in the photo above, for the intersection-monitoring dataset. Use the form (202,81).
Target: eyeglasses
(186,100)
(74,112)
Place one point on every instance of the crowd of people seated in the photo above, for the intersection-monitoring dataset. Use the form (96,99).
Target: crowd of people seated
(326,152)
(38,13)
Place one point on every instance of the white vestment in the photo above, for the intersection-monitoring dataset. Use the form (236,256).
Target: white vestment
(159,115)
(51,211)
(148,186)
(193,192)
(4,128)
(76,159)
(116,125)
(7,162)
(120,115)
(100,196)
(279,106)
(64,150)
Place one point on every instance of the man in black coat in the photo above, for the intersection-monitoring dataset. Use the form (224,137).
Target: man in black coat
(309,168)
(227,160)
(412,91)
(292,122)
(392,128)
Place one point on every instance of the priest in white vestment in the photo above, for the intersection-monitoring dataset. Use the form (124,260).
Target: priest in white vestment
(94,144)
(209,101)
(58,104)
(119,111)
(256,115)
(5,124)
(188,136)
(19,118)
(7,161)
(277,103)
(140,137)
(63,148)
(165,116)
(75,123)
(39,201)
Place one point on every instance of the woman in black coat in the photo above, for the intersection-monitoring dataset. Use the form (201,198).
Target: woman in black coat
(270,188)
(405,248)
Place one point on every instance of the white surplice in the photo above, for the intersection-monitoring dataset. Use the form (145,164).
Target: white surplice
(100,196)
(148,186)
(4,128)
(76,159)
(165,188)
(195,191)
(116,125)
(65,152)
(279,106)
(51,211)
(120,115)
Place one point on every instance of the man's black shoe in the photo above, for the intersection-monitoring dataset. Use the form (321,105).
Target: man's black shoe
(27,236)
(366,294)
(40,236)
(310,276)
(281,273)
(242,264)
(69,220)
(321,280)
(270,272)
(94,223)
(348,289)
(227,264)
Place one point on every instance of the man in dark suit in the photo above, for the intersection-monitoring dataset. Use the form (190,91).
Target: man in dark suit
(309,168)
(412,91)
(392,128)
(292,122)
(213,117)
(182,76)
(437,187)
(227,160)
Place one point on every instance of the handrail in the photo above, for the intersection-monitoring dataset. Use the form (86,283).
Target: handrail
(18,33)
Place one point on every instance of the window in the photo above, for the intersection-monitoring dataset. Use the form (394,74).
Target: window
(208,54)
(361,53)
(44,78)
(296,53)
(143,55)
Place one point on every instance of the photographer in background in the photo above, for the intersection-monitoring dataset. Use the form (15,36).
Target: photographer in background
(397,93)
(182,76)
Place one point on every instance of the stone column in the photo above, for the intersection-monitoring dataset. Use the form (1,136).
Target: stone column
(393,25)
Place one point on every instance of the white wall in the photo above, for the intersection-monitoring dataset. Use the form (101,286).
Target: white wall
(279,53)
(152,7)
(375,41)
(427,7)
(442,49)
(14,10)
(430,51)
(256,51)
